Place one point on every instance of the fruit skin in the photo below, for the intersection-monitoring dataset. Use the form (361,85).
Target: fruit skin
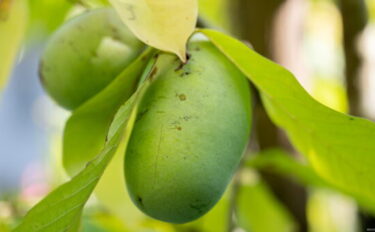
(85,55)
(191,129)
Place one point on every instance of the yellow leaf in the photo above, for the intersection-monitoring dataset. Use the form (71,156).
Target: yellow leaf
(13,20)
(163,24)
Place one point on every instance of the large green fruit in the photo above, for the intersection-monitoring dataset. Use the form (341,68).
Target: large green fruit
(85,55)
(191,130)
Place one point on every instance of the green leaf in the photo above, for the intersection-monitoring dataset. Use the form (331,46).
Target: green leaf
(322,203)
(61,208)
(86,130)
(339,147)
(280,162)
(13,21)
(163,24)
(258,209)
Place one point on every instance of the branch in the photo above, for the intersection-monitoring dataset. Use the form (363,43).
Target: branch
(354,16)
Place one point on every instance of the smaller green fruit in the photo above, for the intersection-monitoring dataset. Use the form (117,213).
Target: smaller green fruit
(85,55)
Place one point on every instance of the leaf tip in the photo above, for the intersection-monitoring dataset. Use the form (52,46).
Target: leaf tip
(181,53)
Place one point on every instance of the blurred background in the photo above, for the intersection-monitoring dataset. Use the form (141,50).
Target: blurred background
(328,44)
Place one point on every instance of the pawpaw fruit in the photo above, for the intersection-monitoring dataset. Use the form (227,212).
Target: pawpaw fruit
(84,55)
(190,132)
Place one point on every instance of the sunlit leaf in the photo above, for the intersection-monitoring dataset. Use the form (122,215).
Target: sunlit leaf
(163,24)
(330,93)
(61,208)
(13,21)
(258,209)
(86,130)
(340,147)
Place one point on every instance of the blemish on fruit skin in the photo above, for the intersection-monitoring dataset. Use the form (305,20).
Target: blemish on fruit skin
(140,201)
(351,119)
(144,58)
(198,206)
(73,46)
(141,114)
(116,37)
(115,33)
(178,128)
(153,72)
(186,73)
(186,118)
(182,97)
(175,122)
